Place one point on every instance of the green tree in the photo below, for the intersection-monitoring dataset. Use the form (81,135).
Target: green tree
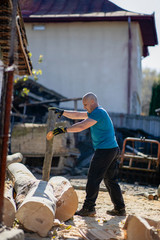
(155,100)
(35,73)
(149,78)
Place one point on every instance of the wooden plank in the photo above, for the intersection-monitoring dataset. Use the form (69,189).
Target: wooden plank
(49,147)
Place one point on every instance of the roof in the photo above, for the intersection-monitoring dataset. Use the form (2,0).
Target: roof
(88,10)
(36,102)
(39,90)
(21,58)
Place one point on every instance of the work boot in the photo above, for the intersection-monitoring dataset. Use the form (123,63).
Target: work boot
(86,212)
(115,212)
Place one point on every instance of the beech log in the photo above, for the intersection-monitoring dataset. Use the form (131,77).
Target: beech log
(67,200)
(9,208)
(16,157)
(35,200)
(139,228)
(148,195)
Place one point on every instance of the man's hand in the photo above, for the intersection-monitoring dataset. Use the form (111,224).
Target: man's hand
(55,132)
(57,111)
(59,130)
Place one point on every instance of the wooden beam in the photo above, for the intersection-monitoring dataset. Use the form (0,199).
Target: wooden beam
(51,101)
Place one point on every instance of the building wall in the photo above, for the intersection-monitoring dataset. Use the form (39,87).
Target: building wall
(136,71)
(87,56)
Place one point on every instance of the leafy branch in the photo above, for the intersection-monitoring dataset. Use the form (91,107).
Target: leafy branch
(35,74)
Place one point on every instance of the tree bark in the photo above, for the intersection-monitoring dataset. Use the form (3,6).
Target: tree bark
(9,208)
(35,200)
(16,157)
(148,195)
(67,200)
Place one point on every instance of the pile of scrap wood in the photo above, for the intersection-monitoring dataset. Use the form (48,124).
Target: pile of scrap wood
(36,203)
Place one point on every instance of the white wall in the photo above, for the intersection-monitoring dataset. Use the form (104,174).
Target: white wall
(136,71)
(82,57)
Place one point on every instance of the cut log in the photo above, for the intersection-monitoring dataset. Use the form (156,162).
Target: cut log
(155,196)
(148,195)
(22,180)
(35,200)
(67,199)
(16,157)
(37,212)
(9,208)
(155,224)
(151,195)
(138,228)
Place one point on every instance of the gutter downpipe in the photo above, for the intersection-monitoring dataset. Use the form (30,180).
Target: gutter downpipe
(6,108)
(129,67)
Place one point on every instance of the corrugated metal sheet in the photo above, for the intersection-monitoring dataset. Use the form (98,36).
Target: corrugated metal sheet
(149,124)
(45,7)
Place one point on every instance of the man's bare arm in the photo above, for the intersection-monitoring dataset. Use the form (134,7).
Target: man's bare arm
(75,114)
(80,126)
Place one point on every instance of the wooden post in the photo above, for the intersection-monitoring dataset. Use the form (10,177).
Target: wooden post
(49,147)
(6,107)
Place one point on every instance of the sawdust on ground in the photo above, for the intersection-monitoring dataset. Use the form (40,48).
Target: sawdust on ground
(103,224)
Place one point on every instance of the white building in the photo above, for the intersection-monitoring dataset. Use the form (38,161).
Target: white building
(90,46)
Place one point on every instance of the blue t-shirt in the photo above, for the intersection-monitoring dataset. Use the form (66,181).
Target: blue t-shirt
(102,133)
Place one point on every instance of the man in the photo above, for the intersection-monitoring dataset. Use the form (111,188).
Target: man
(103,165)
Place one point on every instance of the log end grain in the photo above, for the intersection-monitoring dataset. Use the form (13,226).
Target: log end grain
(139,228)
(67,205)
(36,217)
(9,211)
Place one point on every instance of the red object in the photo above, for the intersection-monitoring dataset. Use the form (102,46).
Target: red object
(6,108)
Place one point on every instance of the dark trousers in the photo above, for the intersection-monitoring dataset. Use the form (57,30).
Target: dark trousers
(103,166)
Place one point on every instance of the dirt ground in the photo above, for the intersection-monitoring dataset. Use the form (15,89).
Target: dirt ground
(103,224)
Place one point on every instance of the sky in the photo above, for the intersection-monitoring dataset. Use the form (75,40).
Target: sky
(148,7)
